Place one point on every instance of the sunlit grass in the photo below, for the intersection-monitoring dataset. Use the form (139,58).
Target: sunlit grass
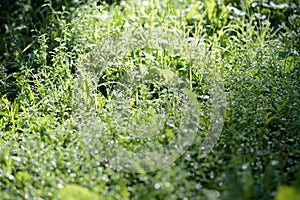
(96,73)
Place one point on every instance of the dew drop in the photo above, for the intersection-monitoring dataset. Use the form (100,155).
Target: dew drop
(245,166)
(157,186)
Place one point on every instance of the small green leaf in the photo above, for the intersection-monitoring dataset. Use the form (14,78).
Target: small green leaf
(22,176)
(28,46)
(169,133)
(288,64)
(270,119)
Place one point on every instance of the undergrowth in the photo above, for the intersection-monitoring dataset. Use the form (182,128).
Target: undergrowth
(77,88)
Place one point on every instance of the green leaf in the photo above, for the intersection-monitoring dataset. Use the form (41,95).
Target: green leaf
(287,192)
(288,64)
(169,133)
(76,192)
(28,46)
(22,176)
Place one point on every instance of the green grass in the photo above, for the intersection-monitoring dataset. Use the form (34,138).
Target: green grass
(63,122)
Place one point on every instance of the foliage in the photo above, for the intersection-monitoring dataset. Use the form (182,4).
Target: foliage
(61,63)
